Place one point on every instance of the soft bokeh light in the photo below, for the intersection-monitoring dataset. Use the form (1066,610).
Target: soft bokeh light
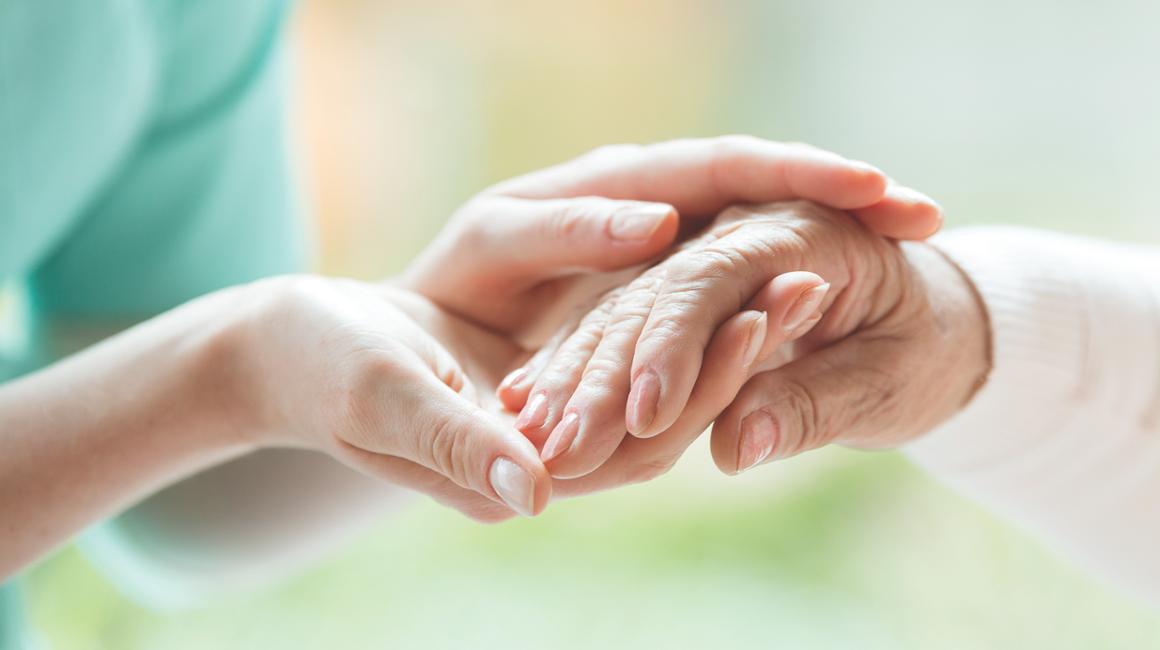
(1037,112)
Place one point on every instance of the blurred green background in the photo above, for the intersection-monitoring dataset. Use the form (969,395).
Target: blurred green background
(1040,112)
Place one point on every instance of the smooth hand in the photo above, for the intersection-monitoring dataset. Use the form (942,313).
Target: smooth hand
(385,381)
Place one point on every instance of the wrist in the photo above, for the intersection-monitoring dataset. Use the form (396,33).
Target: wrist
(217,373)
(119,420)
(961,327)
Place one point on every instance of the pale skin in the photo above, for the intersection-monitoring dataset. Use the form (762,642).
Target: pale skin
(380,378)
(889,345)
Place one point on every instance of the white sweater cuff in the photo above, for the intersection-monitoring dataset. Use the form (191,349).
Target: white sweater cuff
(1038,325)
(1065,435)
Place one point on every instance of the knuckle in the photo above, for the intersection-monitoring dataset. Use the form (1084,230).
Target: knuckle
(359,409)
(445,450)
(286,294)
(571,218)
(806,417)
(709,263)
(698,275)
(468,226)
(675,322)
(603,374)
(565,368)
(672,323)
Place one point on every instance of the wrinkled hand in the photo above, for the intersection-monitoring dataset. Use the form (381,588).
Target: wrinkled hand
(693,338)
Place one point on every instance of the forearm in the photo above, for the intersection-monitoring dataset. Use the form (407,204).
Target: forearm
(239,522)
(1065,436)
(90,435)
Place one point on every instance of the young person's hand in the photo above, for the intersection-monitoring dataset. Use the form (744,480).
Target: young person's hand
(379,378)
(386,382)
(663,357)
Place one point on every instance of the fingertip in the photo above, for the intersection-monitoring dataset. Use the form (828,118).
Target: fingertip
(643,398)
(723,444)
(642,223)
(512,392)
(868,184)
(533,418)
(903,213)
(543,489)
(524,485)
(932,216)
(666,231)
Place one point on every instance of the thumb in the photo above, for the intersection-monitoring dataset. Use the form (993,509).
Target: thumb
(843,391)
(471,447)
(541,239)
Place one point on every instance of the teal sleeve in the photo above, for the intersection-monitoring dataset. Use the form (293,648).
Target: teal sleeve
(13,631)
(207,198)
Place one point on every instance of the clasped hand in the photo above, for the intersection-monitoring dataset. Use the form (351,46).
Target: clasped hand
(629,306)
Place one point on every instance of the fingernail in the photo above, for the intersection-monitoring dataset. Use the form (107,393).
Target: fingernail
(801,330)
(756,339)
(758,436)
(562,437)
(804,307)
(637,222)
(514,485)
(514,377)
(534,413)
(642,402)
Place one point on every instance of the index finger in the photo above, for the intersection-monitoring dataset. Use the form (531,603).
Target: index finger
(700,177)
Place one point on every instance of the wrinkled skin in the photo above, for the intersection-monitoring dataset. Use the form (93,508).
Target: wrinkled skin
(868,372)
(536,251)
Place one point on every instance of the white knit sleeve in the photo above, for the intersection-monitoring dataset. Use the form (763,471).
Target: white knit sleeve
(1065,435)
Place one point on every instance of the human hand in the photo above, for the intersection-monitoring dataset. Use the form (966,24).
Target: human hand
(386,382)
(679,322)
(520,257)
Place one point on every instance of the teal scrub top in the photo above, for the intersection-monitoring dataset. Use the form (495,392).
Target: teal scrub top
(144,160)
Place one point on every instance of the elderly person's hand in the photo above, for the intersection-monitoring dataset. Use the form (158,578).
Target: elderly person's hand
(523,256)
(668,353)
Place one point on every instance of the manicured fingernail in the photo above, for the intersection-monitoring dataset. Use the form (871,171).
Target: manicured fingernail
(534,413)
(756,339)
(758,436)
(562,437)
(637,222)
(642,402)
(804,307)
(514,485)
(514,377)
